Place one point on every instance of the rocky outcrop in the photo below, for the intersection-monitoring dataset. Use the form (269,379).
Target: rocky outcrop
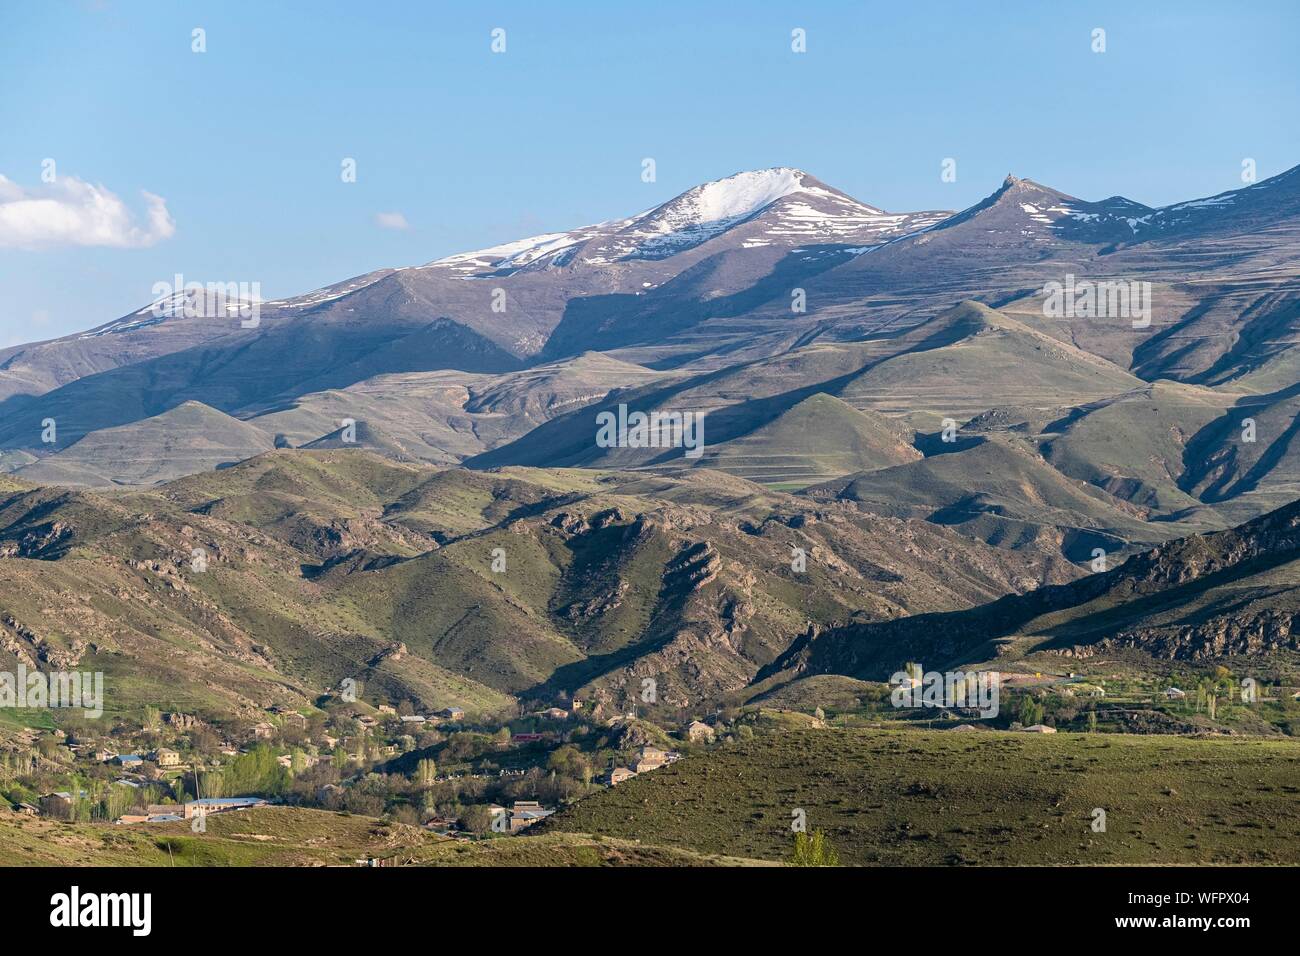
(694,566)
(45,541)
(1260,633)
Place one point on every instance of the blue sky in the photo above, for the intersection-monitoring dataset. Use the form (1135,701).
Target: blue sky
(243,143)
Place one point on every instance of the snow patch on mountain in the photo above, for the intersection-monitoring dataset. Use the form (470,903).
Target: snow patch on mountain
(785,204)
(726,200)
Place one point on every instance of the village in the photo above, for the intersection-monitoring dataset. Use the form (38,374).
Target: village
(461,776)
(482,775)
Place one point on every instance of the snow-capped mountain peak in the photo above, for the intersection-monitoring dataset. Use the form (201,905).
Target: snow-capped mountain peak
(731,199)
(777,206)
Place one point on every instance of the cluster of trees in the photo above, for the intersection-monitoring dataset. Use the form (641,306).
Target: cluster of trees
(256,773)
(470,780)
(1207,693)
(99,801)
(1030,711)
(361,775)
(32,774)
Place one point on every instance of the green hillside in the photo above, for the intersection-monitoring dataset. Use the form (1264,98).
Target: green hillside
(999,490)
(819,438)
(191,437)
(907,798)
(985,354)
(273,580)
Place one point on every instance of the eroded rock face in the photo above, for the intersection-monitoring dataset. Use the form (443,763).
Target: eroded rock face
(1259,633)
(17,639)
(713,622)
(45,541)
(394,653)
(695,566)
(183,721)
(1209,596)
(569,523)
(34,650)
(598,606)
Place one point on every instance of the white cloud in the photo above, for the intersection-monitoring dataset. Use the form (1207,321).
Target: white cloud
(73,212)
(391,220)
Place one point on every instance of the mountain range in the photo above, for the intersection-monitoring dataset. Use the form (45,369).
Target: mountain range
(968,472)
(774,304)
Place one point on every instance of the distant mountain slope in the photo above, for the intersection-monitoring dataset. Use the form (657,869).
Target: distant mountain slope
(1234,592)
(362,435)
(188,438)
(1000,491)
(1251,208)
(1250,447)
(541,392)
(1136,445)
(770,419)
(818,438)
(984,353)
(939,368)
(735,400)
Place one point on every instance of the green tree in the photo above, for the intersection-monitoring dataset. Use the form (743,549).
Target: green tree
(426,771)
(571,762)
(813,850)
(1031,711)
(255,773)
(118,801)
(79,811)
(476,818)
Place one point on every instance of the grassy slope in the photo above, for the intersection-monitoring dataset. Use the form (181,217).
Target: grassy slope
(273,836)
(1212,602)
(915,797)
(292,836)
(819,438)
(993,355)
(1134,445)
(192,437)
(883,797)
(1000,491)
